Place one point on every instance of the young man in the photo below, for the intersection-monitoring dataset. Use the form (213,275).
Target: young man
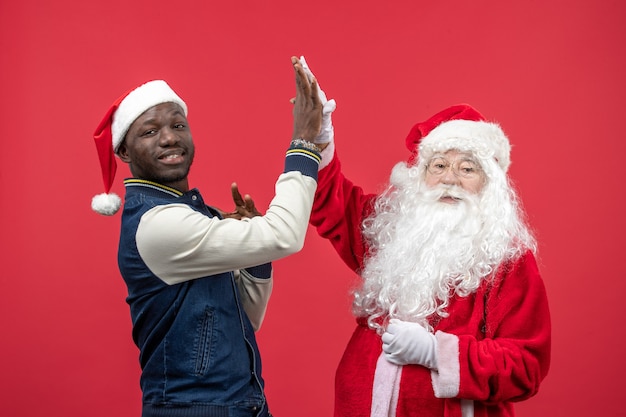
(452,313)
(199,279)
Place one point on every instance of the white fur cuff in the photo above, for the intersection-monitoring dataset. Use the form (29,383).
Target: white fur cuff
(446,381)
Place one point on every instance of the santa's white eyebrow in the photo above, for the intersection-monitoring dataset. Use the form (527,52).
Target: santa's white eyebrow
(462,157)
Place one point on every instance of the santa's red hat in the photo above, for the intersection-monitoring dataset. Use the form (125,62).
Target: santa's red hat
(112,130)
(463,128)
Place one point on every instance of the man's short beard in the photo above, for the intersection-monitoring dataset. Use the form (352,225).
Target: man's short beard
(166,177)
(423,250)
(170,178)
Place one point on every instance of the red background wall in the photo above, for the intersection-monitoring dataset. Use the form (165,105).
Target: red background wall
(550,72)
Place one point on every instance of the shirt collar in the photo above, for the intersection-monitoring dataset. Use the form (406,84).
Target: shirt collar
(130,183)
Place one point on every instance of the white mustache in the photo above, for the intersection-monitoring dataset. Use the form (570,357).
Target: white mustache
(443,190)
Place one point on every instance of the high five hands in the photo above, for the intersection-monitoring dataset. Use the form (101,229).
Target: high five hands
(307,109)
(311,122)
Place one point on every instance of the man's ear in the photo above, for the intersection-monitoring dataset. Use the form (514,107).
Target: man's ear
(122,152)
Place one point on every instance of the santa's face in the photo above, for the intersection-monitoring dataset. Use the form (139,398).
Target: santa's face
(425,243)
(455,168)
(436,232)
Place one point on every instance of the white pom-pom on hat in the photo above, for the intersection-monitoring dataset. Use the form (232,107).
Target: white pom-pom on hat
(106,204)
(113,128)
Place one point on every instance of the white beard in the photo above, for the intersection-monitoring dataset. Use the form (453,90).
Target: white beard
(424,250)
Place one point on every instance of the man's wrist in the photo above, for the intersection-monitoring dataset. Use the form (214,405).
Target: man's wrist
(307,145)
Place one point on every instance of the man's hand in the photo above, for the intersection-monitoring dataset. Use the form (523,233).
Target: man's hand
(244,206)
(327,132)
(407,343)
(307,109)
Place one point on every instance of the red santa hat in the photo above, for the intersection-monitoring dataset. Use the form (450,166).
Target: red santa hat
(463,128)
(112,129)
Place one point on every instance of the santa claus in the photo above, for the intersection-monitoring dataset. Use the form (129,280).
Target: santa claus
(452,314)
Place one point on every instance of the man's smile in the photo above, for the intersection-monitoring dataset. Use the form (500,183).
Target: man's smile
(172,156)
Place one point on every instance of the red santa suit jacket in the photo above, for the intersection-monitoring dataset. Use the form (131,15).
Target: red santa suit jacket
(493,348)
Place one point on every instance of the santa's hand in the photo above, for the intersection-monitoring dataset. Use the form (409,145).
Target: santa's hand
(328,106)
(407,343)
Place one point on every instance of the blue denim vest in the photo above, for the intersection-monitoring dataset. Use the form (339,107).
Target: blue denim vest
(198,351)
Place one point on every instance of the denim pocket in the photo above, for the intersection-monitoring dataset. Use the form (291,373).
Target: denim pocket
(204,342)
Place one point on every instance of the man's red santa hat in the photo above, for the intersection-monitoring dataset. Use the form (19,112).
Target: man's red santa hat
(463,128)
(113,128)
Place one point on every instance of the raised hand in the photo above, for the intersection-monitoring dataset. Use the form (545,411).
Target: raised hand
(327,132)
(307,109)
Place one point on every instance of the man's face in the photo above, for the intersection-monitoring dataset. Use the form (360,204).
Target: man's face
(158,146)
(455,168)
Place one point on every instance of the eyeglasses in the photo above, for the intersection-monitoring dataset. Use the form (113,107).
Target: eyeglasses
(463,168)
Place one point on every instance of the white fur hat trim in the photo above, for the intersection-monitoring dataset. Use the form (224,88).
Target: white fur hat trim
(138,101)
(483,139)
